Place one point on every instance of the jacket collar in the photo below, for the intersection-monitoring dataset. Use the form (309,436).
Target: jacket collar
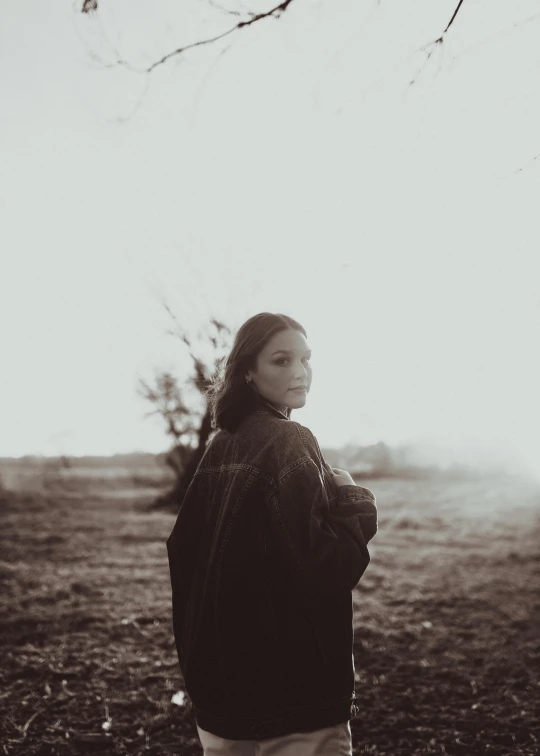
(266,408)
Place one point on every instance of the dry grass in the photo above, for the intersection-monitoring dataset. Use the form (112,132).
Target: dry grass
(446,638)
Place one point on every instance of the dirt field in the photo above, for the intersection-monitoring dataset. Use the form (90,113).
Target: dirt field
(447,632)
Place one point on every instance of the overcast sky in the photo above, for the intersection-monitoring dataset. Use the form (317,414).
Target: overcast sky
(291,168)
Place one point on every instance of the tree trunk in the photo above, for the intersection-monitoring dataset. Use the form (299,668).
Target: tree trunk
(172,499)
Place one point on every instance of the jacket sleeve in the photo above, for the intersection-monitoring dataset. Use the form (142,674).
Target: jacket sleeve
(183,545)
(325,548)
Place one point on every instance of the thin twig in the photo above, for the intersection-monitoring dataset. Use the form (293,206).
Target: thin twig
(139,628)
(254,17)
(528,163)
(24,729)
(273,12)
(453,17)
(435,42)
(497,35)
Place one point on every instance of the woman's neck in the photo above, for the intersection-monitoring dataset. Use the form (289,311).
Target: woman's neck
(281,407)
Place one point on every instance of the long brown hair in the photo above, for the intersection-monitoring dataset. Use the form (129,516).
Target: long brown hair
(230,398)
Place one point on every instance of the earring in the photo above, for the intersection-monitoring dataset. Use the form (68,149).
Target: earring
(247,380)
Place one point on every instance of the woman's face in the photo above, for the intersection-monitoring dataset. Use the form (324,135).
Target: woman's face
(282,365)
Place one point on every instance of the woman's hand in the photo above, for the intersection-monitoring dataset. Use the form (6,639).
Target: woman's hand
(340,477)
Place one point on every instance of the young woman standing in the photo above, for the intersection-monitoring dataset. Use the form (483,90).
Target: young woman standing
(267,547)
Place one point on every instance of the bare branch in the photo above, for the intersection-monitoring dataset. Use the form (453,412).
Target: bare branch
(273,12)
(436,42)
(432,45)
(224,10)
(453,17)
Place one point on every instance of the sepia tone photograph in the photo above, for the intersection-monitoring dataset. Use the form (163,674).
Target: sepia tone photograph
(269,397)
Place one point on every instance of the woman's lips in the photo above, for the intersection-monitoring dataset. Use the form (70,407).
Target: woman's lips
(299,388)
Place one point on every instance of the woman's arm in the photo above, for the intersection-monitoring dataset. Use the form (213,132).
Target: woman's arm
(325,548)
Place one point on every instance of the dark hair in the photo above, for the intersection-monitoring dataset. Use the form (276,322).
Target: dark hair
(230,398)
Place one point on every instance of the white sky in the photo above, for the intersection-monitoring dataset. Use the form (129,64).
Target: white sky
(297,172)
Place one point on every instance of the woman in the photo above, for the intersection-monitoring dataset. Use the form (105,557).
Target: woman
(266,549)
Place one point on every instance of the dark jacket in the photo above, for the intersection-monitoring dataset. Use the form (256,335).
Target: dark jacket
(263,557)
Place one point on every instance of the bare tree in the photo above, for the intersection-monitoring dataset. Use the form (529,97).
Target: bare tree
(189,427)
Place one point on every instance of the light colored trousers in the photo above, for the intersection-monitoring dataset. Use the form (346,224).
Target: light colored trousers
(330,741)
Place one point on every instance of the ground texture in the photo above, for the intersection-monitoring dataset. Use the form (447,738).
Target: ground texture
(447,624)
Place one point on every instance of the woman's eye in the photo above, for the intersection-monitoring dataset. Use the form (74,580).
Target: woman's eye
(280,360)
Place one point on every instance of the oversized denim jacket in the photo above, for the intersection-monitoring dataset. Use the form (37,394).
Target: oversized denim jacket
(263,558)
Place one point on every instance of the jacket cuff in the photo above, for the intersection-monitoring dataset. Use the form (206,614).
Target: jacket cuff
(354,493)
